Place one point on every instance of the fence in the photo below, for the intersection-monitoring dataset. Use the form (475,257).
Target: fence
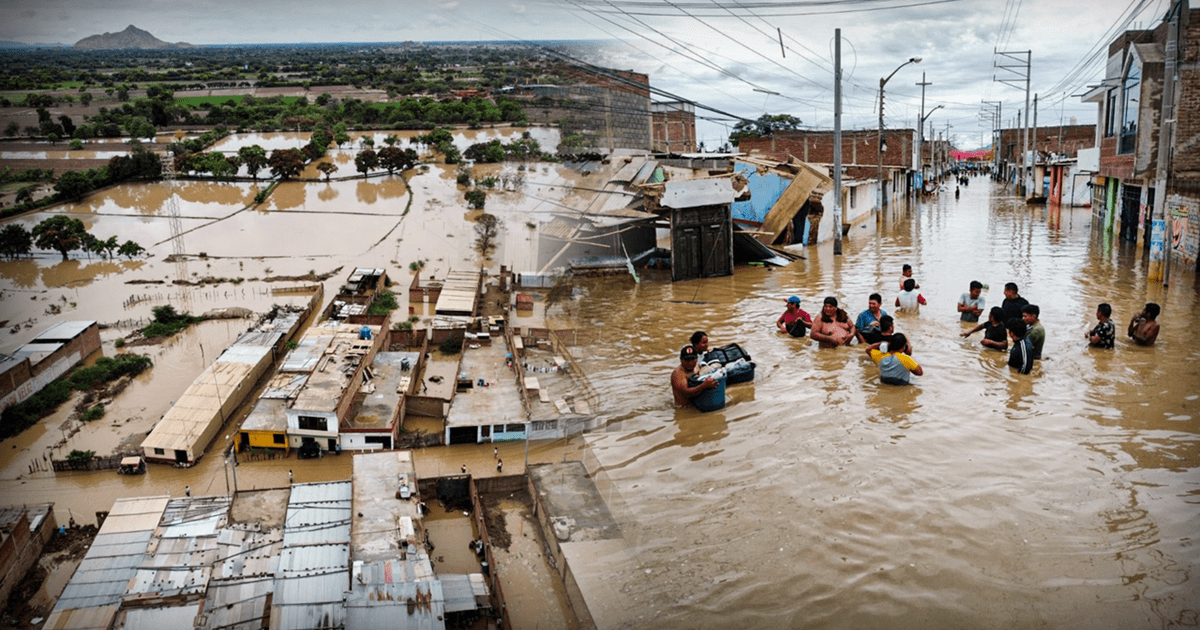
(109,462)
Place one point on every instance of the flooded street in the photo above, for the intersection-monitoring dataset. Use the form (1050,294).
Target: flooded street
(976,497)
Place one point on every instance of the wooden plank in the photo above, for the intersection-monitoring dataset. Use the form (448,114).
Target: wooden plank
(563,408)
(544,395)
(792,199)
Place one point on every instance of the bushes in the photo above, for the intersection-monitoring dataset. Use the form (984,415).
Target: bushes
(167,322)
(16,418)
(385,302)
(108,369)
(452,345)
(93,413)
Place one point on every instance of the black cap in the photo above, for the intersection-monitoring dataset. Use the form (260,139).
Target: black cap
(688,353)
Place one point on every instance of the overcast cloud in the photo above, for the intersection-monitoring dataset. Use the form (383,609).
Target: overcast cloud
(707,55)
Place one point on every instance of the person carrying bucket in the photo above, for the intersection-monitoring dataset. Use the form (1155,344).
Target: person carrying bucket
(683,392)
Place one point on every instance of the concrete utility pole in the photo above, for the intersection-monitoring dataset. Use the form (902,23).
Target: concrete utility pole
(1014,66)
(921,133)
(883,82)
(837,141)
(1160,256)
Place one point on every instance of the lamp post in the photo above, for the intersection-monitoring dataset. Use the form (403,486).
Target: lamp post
(883,82)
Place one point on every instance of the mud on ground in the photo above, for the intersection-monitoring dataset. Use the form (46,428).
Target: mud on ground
(494,518)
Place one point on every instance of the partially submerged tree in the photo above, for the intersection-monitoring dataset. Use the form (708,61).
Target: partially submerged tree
(487,227)
(328,168)
(366,160)
(254,157)
(60,233)
(286,163)
(15,241)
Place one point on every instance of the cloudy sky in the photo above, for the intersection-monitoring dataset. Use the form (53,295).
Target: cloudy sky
(722,53)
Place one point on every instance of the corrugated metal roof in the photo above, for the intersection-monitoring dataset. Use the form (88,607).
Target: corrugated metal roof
(284,385)
(459,293)
(159,618)
(105,572)
(304,357)
(64,331)
(247,354)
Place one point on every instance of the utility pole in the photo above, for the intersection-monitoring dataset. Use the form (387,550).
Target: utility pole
(1160,256)
(882,82)
(1037,185)
(837,141)
(1014,66)
(921,134)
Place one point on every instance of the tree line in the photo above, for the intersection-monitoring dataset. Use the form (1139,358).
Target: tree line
(64,235)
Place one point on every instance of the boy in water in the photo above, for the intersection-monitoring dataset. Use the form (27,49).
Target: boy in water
(1037,332)
(970,305)
(909,299)
(1020,357)
(1104,335)
(994,334)
(895,367)
(1143,328)
(906,274)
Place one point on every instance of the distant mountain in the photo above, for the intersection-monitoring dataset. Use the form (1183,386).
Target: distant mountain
(7,45)
(131,37)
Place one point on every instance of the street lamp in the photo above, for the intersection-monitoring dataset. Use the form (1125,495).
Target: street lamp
(883,82)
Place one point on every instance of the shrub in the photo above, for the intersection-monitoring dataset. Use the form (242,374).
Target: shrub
(452,345)
(385,302)
(93,413)
(81,456)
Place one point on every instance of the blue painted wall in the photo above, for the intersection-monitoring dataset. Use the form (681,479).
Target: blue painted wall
(765,190)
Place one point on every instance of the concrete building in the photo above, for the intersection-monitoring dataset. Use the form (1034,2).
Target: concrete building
(1147,190)
(47,357)
(334,356)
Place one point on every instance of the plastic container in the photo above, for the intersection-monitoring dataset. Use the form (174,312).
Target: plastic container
(726,354)
(710,399)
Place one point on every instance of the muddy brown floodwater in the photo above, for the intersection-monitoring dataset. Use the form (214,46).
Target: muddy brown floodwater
(818,497)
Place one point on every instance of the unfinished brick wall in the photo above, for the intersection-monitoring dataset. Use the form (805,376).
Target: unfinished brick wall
(1186,160)
(858,147)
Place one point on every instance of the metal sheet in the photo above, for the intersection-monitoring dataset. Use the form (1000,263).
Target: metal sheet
(698,192)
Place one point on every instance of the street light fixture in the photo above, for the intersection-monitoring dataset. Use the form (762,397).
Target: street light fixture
(883,82)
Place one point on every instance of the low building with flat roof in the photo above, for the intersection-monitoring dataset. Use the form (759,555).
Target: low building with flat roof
(48,356)
(335,361)
(386,384)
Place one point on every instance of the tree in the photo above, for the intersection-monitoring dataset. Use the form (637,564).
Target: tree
(130,249)
(254,157)
(73,185)
(366,160)
(108,246)
(286,163)
(25,193)
(138,127)
(476,199)
(328,168)
(487,226)
(764,125)
(60,233)
(85,98)
(391,140)
(395,159)
(15,240)
(12,129)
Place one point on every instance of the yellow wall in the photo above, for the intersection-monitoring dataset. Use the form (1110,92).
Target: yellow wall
(265,439)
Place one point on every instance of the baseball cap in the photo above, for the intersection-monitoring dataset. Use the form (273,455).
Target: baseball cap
(688,353)
(793,300)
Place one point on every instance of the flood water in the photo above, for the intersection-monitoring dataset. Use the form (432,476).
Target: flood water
(975,498)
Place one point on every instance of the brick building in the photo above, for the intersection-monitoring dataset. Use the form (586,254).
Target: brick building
(50,354)
(1149,112)
(674,127)
(604,109)
(1056,140)
(860,155)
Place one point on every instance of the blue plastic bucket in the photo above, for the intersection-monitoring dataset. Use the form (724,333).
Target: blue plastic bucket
(710,399)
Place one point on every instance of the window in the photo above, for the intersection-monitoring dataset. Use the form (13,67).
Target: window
(1131,91)
(515,428)
(280,438)
(544,425)
(313,423)
(1110,114)
(853,194)
(159,451)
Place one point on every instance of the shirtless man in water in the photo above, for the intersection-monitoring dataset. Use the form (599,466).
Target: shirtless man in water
(679,378)
(1143,328)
